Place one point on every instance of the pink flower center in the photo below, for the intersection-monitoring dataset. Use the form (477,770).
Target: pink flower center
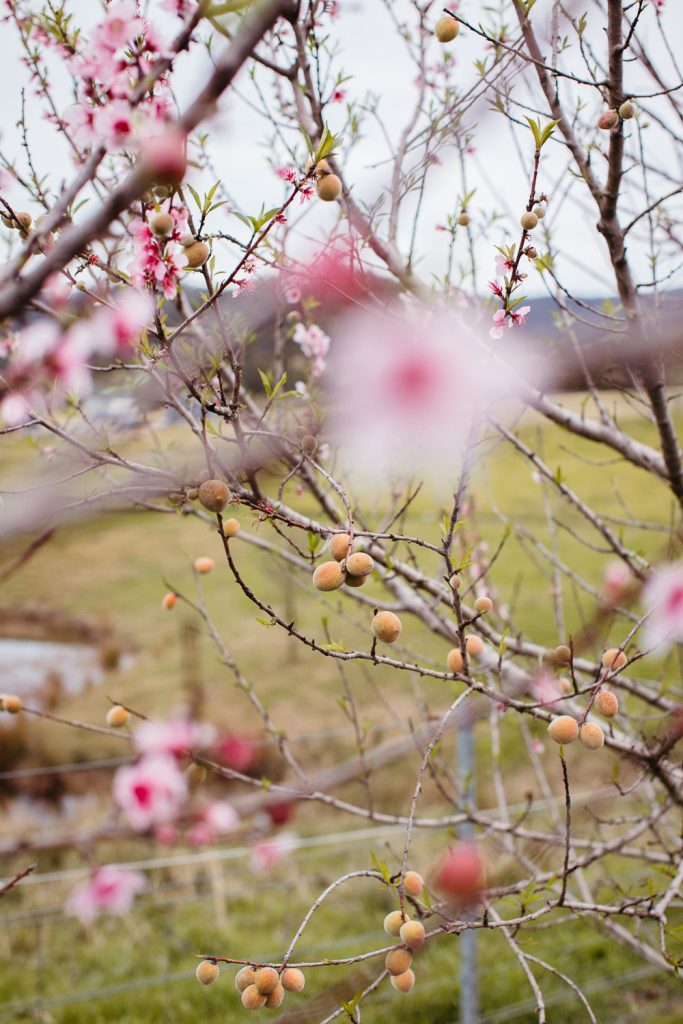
(142,792)
(675,601)
(411,381)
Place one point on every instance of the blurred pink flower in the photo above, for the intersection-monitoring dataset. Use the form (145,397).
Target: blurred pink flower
(615,580)
(150,792)
(216,819)
(114,124)
(663,601)
(110,890)
(546,689)
(503,265)
(518,316)
(268,853)
(173,737)
(314,344)
(120,26)
(57,290)
(499,323)
(236,752)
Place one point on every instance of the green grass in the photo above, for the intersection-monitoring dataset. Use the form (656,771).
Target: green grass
(140,969)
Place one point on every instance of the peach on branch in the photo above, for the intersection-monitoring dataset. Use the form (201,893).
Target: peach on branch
(474,646)
(207,972)
(562,654)
(203,565)
(117,716)
(161,224)
(359,564)
(627,111)
(528,220)
(329,187)
(196,254)
(413,934)
(293,979)
(454,660)
(412,883)
(11,703)
(539,211)
(245,977)
(231,527)
(455,581)
(398,961)
(607,704)
(614,659)
(608,119)
(252,999)
(275,998)
(214,495)
(169,600)
(328,576)
(464,218)
(446,28)
(403,982)
(386,627)
(356,581)
(339,546)
(592,736)
(266,980)
(563,729)
(483,605)
(461,873)
(393,922)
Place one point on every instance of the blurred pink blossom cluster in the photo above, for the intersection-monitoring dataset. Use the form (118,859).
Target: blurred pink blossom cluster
(44,355)
(663,602)
(108,67)
(159,261)
(314,344)
(109,890)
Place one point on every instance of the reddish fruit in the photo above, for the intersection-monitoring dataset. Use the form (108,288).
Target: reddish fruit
(461,873)
(412,883)
(169,600)
(280,813)
(293,979)
(608,119)
(203,565)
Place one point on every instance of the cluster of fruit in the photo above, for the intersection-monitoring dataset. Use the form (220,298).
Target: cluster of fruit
(398,962)
(258,986)
(565,729)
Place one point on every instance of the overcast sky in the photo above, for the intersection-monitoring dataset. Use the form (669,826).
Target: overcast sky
(374,56)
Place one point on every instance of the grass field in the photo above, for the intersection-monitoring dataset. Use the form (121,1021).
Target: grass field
(140,969)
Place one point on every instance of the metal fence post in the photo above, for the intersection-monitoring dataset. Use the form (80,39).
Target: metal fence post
(469,980)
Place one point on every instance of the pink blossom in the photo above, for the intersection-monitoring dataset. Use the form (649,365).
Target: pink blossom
(179,7)
(114,124)
(546,689)
(174,737)
(292,294)
(518,316)
(338,95)
(268,853)
(503,265)
(110,890)
(537,746)
(57,290)
(120,27)
(236,752)
(286,173)
(217,819)
(663,600)
(150,792)
(15,409)
(499,322)
(314,344)
(496,289)
(123,323)
(615,580)
(80,124)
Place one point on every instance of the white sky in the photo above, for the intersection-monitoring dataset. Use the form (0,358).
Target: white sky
(372,53)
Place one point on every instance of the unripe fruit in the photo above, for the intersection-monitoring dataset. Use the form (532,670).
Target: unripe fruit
(309,443)
(169,600)
(214,495)
(193,493)
(164,158)
(614,659)
(403,982)
(293,979)
(464,218)
(386,627)
(244,978)
(25,219)
(455,581)
(398,961)
(275,998)
(359,564)
(529,221)
(562,654)
(446,29)
(474,646)
(483,605)
(162,224)
(196,254)
(592,736)
(393,922)
(339,546)
(454,660)
(627,111)
(413,934)
(252,999)
(322,166)
(462,874)
(207,972)
(231,527)
(329,188)
(356,581)
(203,565)
(607,704)
(11,704)
(328,576)
(267,980)
(117,717)
(563,729)
(412,883)
(608,119)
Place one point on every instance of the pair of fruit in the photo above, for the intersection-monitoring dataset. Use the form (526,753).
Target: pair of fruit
(352,570)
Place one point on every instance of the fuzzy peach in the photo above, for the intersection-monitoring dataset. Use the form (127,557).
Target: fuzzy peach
(359,564)
(563,729)
(591,736)
(614,659)
(266,980)
(474,646)
(413,934)
(562,654)
(356,581)
(196,254)
(329,188)
(169,600)
(607,704)
(231,527)
(463,219)
(413,883)
(11,703)
(339,546)
(161,224)
(398,961)
(293,980)
(252,999)
(328,576)
(214,495)
(446,29)
(608,119)
(309,443)
(454,660)
(207,972)
(203,565)
(275,998)
(244,978)
(117,717)
(455,581)
(627,111)
(393,922)
(386,627)
(403,982)
(483,605)
(528,220)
